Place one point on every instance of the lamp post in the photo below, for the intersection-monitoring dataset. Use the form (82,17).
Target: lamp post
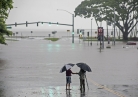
(107,32)
(114,25)
(31,33)
(91,32)
(72,23)
(16,35)
(21,34)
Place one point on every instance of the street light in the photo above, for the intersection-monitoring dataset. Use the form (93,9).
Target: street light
(31,33)
(72,23)
(16,35)
(91,32)
(114,25)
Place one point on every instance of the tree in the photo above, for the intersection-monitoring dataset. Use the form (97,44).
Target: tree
(5,7)
(124,11)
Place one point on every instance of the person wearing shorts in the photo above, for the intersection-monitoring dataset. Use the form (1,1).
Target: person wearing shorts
(68,78)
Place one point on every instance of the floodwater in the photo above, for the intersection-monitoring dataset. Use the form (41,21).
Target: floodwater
(30,68)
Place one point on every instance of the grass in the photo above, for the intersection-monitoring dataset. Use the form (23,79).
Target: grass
(95,39)
(11,39)
(108,47)
(52,39)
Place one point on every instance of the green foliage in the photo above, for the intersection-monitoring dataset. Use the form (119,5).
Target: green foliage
(5,7)
(124,11)
(52,39)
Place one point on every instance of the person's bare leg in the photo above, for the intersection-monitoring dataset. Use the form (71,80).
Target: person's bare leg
(69,86)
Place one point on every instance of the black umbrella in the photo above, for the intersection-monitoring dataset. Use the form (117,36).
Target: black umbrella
(84,66)
(66,67)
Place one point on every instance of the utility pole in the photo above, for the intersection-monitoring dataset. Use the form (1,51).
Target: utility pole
(72,23)
(91,32)
(114,25)
(72,28)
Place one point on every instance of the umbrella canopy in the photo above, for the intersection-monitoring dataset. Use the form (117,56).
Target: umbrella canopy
(66,67)
(84,66)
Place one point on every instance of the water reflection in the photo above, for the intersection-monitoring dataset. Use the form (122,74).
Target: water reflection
(2,63)
(1,89)
(82,95)
(1,93)
(69,93)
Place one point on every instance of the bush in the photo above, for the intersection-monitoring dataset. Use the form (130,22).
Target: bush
(133,38)
(52,39)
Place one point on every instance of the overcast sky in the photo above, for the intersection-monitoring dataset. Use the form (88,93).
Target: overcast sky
(46,10)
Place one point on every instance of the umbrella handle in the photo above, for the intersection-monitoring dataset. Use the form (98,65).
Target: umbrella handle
(87,82)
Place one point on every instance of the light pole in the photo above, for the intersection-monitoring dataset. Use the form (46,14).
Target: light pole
(107,32)
(31,33)
(114,25)
(91,32)
(21,34)
(16,35)
(72,23)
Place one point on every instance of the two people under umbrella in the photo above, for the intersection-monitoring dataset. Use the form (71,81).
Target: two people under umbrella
(82,73)
(82,78)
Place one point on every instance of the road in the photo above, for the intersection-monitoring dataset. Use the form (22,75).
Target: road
(30,68)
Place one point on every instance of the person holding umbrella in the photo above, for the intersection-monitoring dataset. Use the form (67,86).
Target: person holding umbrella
(67,68)
(68,78)
(82,75)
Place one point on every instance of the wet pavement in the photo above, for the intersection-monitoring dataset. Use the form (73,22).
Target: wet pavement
(30,68)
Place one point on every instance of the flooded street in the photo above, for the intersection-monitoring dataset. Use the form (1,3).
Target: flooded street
(30,68)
